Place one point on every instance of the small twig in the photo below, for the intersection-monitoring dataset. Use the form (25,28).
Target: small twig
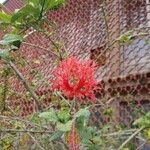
(105,20)
(22,120)
(30,131)
(29,34)
(52,146)
(53,43)
(59,94)
(104,105)
(112,42)
(130,138)
(21,77)
(33,45)
(139,148)
(12,111)
(110,100)
(126,132)
(36,141)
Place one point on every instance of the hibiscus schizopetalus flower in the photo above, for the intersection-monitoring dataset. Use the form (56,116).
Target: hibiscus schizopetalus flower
(75,78)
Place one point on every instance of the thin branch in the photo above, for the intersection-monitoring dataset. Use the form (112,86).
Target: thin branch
(63,98)
(38,144)
(37,46)
(21,77)
(24,131)
(125,132)
(29,34)
(52,146)
(12,111)
(139,148)
(105,20)
(130,138)
(118,39)
(53,43)
(22,120)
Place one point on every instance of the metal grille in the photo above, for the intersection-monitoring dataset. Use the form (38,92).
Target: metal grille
(91,29)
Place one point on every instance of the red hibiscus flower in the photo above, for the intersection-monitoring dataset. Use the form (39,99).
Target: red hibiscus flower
(75,78)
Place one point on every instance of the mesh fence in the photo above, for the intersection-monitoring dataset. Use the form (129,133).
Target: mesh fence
(99,30)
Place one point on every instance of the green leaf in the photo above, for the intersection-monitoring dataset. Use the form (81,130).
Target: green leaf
(28,12)
(143,121)
(10,38)
(64,115)
(83,112)
(97,139)
(64,126)
(5,17)
(126,37)
(16,15)
(53,4)
(5,20)
(105,129)
(50,115)
(35,118)
(14,47)
(56,135)
(87,134)
(94,147)
(82,118)
(108,111)
(4,54)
